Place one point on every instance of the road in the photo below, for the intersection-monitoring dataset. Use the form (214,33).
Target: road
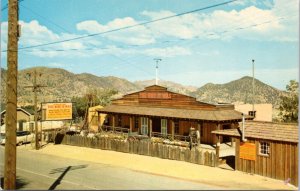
(42,171)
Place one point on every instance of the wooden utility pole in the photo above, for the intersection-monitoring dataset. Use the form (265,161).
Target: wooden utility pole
(36,87)
(35,112)
(11,96)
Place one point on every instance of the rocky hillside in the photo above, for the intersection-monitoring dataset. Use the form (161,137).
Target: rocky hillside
(239,91)
(62,85)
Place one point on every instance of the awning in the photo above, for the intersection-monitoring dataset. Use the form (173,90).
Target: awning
(209,115)
(264,130)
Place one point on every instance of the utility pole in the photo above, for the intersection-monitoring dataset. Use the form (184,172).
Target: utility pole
(11,96)
(253,87)
(36,87)
(156,75)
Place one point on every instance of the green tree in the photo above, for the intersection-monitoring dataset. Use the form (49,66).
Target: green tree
(93,97)
(289,104)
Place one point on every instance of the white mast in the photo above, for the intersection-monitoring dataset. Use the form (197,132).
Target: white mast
(156,70)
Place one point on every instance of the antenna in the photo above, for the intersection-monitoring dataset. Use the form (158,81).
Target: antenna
(253,86)
(156,78)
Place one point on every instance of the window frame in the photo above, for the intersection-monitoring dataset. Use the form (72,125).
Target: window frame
(164,126)
(144,125)
(265,147)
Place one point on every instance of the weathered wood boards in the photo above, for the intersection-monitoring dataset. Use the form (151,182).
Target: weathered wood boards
(281,163)
(144,147)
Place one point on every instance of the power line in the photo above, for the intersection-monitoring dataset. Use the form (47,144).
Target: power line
(46,19)
(197,37)
(127,27)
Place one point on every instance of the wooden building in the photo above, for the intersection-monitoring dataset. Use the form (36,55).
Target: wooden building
(156,111)
(270,149)
(93,119)
(22,116)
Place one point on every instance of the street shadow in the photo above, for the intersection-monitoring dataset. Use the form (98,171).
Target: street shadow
(63,172)
(20,183)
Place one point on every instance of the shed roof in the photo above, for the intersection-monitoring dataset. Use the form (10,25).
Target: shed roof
(265,130)
(18,109)
(210,115)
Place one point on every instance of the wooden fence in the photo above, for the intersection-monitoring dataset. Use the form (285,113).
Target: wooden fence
(144,147)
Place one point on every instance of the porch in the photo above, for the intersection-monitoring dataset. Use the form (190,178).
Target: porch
(164,127)
(127,132)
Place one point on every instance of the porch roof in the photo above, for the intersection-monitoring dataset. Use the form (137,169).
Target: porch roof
(209,115)
(265,130)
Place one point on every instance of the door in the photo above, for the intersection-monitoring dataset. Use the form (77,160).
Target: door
(144,126)
(226,139)
(164,124)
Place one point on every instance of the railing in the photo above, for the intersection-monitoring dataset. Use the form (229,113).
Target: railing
(115,129)
(169,136)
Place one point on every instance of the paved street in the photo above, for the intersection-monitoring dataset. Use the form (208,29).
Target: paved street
(42,171)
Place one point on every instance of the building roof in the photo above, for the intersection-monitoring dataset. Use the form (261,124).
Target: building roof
(209,115)
(18,109)
(265,130)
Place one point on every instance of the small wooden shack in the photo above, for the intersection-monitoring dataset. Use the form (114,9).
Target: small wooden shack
(22,116)
(156,111)
(270,149)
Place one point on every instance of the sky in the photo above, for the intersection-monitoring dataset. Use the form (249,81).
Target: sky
(215,44)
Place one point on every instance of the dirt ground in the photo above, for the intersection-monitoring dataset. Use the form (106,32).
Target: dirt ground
(228,179)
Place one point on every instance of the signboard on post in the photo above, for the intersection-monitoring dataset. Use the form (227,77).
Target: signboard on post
(248,151)
(57,111)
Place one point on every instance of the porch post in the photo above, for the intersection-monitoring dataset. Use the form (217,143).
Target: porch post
(217,150)
(150,127)
(172,128)
(231,138)
(113,122)
(99,121)
(130,124)
(199,129)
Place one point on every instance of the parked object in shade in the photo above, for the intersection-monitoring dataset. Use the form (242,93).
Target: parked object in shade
(22,137)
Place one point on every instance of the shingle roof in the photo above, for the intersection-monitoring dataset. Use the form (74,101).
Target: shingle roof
(265,130)
(211,115)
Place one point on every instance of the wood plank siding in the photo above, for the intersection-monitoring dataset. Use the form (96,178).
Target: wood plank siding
(157,96)
(157,103)
(282,162)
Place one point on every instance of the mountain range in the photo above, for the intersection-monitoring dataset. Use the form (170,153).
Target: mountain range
(62,85)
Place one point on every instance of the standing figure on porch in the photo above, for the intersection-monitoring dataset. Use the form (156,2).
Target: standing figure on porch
(198,137)
(192,137)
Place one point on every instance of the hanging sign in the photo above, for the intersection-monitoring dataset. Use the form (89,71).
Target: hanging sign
(248,151)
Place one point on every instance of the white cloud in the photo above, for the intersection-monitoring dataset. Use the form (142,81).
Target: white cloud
(32,33)
(225,24)
(167,52)
(134,36)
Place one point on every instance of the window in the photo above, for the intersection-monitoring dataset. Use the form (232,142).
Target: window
(136,122)
(176,125)
(144,127)
(264,148)
(252,113)
(164,124)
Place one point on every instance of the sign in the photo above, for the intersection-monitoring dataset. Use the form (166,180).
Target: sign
(155,95)
(248,151)
(57,111)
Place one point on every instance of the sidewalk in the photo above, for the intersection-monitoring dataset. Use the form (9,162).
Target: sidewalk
(164,167)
